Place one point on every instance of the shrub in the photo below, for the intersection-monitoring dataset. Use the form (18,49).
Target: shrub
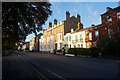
(26,49)
(82,51)
(94,51)
(66,50)
(59,50)
(109,46)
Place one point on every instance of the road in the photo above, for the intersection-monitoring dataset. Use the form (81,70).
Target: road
(39,66)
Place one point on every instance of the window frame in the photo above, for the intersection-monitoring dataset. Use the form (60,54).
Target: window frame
(108,20)
(118,15)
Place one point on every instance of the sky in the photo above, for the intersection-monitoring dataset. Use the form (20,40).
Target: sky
(90,12)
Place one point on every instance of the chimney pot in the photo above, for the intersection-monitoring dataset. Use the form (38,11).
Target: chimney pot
(54,21)
(67,15)
(78,17)
(108,9)
(80,25)
(50,24)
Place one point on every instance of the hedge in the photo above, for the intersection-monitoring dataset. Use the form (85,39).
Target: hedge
(83,51)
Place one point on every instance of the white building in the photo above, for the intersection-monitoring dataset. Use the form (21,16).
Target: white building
(75,39)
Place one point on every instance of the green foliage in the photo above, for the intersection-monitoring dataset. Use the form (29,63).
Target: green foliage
(82,51)
(94,51)
(26,49)
(66,50)
(109,46)
(59,50)
(20,19)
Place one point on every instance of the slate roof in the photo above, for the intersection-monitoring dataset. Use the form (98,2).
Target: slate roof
(112,10)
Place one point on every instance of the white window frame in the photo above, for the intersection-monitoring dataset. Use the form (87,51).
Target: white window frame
(90,35)
(118,15)
(109,19)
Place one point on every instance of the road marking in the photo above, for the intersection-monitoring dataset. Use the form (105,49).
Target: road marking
(54,73)
(36,72)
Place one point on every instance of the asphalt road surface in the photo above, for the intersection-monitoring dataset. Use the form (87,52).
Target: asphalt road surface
(39,66)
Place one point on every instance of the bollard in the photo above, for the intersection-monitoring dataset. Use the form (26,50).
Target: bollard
(118,69)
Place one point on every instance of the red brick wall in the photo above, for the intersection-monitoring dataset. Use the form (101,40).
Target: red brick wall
(114,24)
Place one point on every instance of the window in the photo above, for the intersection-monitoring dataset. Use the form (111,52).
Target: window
(109,18)
(119,31)
(61,30)
(87,45)
(69,38)
(78,45)
(55,32)
(60,45)
(90,35)
(81,45)
(94,44)
(58,30)
(96,34)
(76,38)
(81,37)
(118,15)
(60,37)
(74,46)
(110,32)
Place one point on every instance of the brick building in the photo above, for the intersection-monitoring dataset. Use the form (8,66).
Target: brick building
(54,35)
(92,34)
(110,27)
(111,22)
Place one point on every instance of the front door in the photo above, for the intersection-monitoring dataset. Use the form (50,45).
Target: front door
(55,46)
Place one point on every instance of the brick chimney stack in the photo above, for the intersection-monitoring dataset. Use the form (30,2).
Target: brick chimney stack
(108,9)
(67,15)
(54,22)
(50,24)
(80,25)
(78,17)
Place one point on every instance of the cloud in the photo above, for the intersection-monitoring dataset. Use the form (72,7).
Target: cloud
(95,13)
(89,8)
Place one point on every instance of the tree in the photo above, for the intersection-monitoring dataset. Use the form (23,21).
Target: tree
(21,19)
(110,46)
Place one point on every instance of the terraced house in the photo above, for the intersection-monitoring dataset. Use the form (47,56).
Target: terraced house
(53,37)
(110,26)
(70,32)
(88,37)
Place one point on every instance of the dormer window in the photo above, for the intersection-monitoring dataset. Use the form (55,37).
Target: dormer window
(109,18)
(118,15)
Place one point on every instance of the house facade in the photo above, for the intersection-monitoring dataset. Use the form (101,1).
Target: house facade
(31,44)
(111,22)
(110,27)
(71,34)
(53,37)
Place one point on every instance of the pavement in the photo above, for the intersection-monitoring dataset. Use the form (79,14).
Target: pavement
(37,66)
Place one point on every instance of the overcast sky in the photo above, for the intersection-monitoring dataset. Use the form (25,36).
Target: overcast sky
(89,11)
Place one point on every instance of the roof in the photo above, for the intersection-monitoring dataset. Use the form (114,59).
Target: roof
(112,10)
(88,28)
(62,21)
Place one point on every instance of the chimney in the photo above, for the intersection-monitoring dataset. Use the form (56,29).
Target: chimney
(92,25)
(54,22)
(67,15)
(80,25)
(78,17)
(72,30)
(50,24)
(108,9)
